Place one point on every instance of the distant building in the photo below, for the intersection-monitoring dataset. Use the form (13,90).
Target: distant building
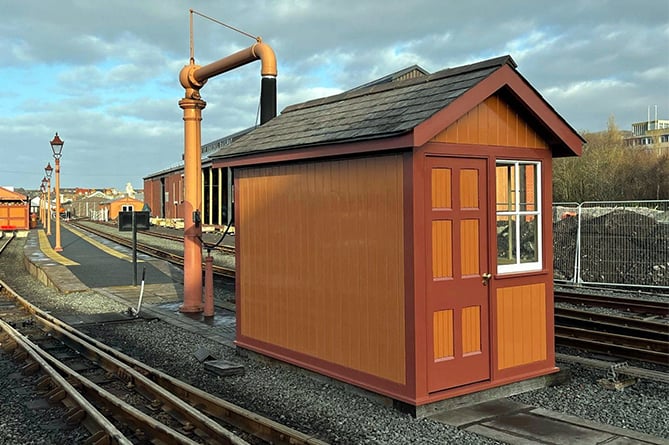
(649,134)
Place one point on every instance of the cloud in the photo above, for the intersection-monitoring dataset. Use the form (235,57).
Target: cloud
(105,74)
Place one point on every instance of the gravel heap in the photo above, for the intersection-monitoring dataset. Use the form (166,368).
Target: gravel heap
(313,405)
(617,246)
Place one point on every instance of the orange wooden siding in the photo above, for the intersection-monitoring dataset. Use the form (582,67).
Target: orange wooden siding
(521,325)
(443,334)
(14,215)
(469,190)
(469,245)
(492,122)
(441,188)
(321,261)
(442,249)
(471,330)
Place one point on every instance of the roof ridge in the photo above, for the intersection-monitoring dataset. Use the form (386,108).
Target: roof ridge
(378,88)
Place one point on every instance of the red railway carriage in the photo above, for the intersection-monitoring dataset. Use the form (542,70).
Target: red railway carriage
(398,236)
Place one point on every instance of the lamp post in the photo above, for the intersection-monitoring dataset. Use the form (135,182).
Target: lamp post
(42,196)
(48,170)
(57,148)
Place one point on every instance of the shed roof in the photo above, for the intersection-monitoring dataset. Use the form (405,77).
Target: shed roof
(419,107)
(9,195)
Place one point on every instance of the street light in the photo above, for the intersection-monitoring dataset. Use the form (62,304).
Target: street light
(57,148)
(42,196)
(48,170)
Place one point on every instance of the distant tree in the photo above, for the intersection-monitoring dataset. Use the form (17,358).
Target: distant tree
(610,171)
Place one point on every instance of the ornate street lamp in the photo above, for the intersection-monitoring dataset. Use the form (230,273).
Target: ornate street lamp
(57,148)
(48,170)
(42,198)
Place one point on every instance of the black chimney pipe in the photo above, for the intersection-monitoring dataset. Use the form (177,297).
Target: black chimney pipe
(267,98)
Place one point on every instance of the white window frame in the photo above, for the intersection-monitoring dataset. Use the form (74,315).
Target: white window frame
(517,214)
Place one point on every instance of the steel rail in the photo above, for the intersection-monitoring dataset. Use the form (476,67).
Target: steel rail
(171,403)
(101,429)
(601,342)
(620,303)
(612,323)
(623,337)
(252,423)
(184,413)
(177,238)
(6,243)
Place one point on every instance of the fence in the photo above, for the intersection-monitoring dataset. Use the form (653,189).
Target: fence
(623,243)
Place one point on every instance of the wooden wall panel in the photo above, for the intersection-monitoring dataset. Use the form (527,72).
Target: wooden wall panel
(442,249)
(521,325)
(443,334)
(469,247)
(469,189)
(14,215)
(321,269)
(441,188)
(492,122)
(471,330)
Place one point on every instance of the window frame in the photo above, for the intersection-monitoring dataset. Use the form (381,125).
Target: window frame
(516,214)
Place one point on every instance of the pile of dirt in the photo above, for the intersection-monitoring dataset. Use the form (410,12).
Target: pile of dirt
(621,246)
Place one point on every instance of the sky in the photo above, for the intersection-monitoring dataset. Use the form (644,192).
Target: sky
(104,75)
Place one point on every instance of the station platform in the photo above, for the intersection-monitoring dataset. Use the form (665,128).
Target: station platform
(91,263)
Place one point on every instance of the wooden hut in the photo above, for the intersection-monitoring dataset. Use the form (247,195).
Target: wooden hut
(398,236)
(14,210)
(125,204)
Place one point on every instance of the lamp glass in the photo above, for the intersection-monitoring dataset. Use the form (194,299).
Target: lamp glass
(48,170)
(57,146)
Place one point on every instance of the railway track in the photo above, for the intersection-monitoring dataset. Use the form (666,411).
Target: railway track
(619,303)
(229,250)
(622,337)
(220,271)
(119,399)
(5,240)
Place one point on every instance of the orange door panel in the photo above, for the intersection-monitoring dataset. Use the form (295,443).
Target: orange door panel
(457,252)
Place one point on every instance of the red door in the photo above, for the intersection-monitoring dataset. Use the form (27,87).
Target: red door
(457,259)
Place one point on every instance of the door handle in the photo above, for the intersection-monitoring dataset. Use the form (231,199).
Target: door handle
(485,278)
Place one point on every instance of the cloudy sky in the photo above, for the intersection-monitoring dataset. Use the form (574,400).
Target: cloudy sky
(104,75)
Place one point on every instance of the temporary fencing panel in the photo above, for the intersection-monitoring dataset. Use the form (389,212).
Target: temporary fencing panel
(565,241)
(622,243)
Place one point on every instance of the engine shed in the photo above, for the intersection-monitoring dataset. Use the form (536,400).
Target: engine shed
(398,236)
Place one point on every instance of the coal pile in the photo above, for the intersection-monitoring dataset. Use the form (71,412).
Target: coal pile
(622,246)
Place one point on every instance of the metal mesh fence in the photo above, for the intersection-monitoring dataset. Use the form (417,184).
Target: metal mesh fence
(565,239)
(624,243)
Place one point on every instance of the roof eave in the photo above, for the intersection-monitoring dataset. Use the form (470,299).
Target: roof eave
(385,143)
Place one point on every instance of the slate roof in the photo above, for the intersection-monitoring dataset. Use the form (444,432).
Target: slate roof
(379,111)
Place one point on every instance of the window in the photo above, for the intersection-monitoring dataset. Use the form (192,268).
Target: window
(518,216)
(127,208)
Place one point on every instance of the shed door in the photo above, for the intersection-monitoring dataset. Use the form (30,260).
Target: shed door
(457,257)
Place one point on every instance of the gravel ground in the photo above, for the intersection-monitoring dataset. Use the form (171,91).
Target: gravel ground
(313,405)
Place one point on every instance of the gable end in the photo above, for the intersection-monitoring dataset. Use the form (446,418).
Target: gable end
(493,122)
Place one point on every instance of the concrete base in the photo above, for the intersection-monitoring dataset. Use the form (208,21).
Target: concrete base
(486,395)
(511,422)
